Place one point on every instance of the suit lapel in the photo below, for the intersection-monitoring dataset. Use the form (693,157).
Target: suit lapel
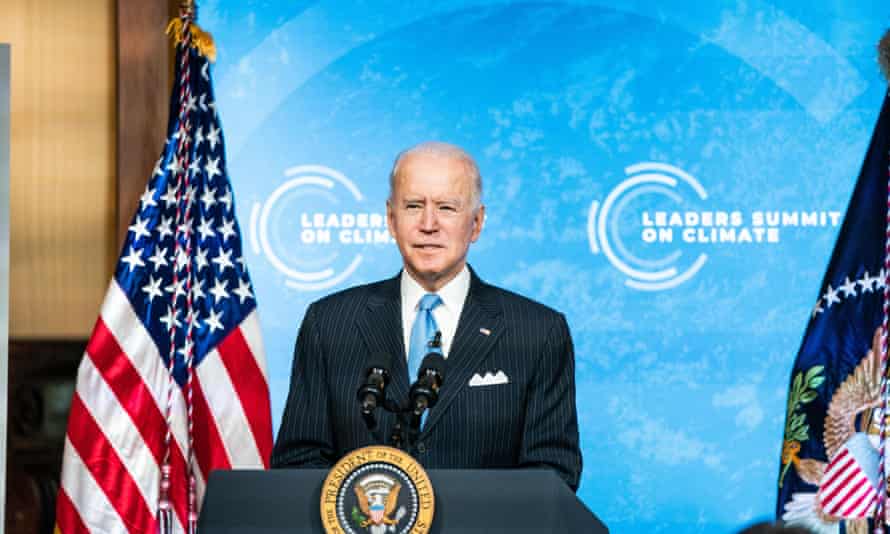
(380,324)
(481,313)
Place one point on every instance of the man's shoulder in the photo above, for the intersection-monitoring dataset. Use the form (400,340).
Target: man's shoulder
(512,301)
(354,295)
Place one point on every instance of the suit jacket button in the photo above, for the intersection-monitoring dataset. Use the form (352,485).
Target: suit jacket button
(421,447)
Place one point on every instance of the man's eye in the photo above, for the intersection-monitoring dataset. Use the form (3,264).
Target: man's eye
(413,205)
(447,207)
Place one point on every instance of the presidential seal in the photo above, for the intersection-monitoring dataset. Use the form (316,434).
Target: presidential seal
(377,490)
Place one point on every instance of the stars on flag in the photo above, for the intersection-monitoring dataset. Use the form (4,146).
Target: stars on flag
(198,290)
(139,228)
(201,259)
(147,199)
(835,296)
(157,170)
(174,166)
(867,283)
(212,168)
(227,200)
(153,288)
(184,229)
(195,166)
(190,196)
(205,230)
(159,258)
(830,297)
(227,229)
(848,288)
(213,137)
(208,198)
(164,227)
(133,259)
(176,288)
(182,258)
(243,291)
(185,350)
(219,290)
(183,135)
(183,265)
(213,321)
(170,319)
(190,105)
(212,247)
(223,260)
(169,197)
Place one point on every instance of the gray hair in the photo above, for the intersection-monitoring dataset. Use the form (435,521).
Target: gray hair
(444,150)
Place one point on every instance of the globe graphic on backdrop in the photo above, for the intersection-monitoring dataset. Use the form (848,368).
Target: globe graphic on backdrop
(556,102)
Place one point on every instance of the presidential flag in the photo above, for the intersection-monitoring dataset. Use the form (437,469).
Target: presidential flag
(173,382)
(830,461)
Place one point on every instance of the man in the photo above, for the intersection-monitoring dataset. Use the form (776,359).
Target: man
(508,399)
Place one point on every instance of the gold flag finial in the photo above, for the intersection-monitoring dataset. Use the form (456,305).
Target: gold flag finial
(198,38)
(187,5)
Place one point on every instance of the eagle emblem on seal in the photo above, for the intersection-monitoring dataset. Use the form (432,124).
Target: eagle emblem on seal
(377,496)
(377,490)
(850,438)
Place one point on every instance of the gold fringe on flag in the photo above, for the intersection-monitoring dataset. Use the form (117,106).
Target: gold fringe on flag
(200,40)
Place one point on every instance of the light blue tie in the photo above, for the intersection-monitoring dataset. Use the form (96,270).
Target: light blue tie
(422,333)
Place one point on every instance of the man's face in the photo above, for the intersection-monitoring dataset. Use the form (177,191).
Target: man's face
(431,217)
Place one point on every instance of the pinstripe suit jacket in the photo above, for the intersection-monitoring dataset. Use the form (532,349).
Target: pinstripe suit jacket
(529,422)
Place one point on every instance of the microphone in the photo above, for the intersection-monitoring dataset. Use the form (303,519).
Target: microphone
(425,392)
(373,392)
(436,342)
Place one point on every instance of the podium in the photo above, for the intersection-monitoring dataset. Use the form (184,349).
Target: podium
(467,500)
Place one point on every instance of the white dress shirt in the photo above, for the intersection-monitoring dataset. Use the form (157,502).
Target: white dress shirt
(447,314)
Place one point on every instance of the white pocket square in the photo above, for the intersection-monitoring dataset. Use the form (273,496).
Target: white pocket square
(489,379)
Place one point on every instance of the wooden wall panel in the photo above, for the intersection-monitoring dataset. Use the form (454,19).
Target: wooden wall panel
(145,59)
(62,163)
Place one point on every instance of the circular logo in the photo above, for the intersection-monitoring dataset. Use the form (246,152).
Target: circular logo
(377,490)
(604,222)
(314,228)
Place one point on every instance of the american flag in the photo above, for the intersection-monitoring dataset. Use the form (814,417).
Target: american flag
(829,475)
(175,362)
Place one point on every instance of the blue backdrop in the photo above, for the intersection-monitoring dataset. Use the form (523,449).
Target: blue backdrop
(671,177)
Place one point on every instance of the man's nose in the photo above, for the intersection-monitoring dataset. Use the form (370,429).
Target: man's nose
(428,220)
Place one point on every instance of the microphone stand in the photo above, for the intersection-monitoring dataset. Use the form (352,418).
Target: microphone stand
(372,392)
(406,429)
(399,438)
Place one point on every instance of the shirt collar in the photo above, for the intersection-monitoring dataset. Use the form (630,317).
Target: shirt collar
(453,294)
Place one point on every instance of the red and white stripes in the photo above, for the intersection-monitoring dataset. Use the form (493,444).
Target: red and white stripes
(846,490)
(115,442)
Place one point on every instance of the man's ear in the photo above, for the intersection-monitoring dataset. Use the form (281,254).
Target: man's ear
(478,223)
(389,218)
